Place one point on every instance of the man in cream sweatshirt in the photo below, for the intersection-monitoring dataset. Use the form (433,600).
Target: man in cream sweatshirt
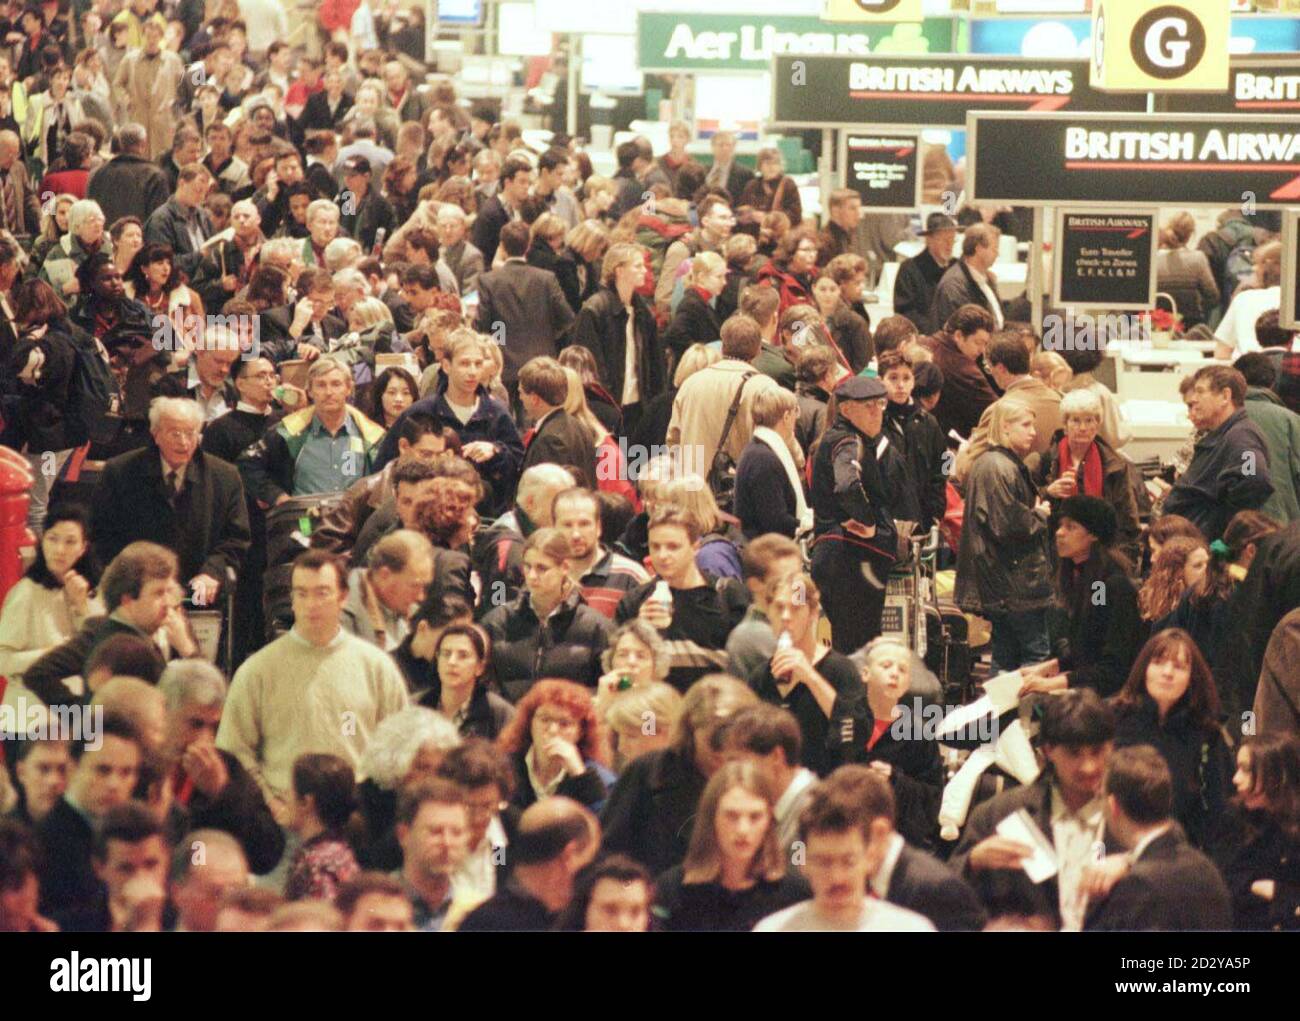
(316,689)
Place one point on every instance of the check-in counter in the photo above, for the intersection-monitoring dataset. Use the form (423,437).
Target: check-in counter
(1159,428)
(1145,372)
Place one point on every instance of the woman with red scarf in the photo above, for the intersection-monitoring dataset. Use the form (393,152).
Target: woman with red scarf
(1079,462)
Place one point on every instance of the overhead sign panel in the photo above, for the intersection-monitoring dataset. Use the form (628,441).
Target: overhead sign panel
(883,169)
(1267,83)
(1117,160)
(922,92)
(677,41)
(1157,46)
(1104,260)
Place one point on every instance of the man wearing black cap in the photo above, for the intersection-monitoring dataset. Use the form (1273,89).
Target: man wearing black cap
(1103,628)
(920,275)
(364,211)
(855,539)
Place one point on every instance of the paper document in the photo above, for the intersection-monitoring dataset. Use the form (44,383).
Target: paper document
(1020,827)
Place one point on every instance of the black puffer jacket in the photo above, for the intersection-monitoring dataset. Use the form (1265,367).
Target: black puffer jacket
(1002,563)
(1199,761)
(567,644)
(43,405)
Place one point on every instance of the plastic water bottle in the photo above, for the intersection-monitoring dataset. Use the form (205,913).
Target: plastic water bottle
(663,594)
(784,641)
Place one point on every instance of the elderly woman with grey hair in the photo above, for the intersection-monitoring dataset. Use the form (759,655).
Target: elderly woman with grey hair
(84,238)
(405,747)
(209,788)
(636,657)
(1079,462)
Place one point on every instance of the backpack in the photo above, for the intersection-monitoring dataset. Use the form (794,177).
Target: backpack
(1239,267)
(94,398)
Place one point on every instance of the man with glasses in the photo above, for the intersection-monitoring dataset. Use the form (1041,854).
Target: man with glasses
(1229,471)
(173,494)
(717,221)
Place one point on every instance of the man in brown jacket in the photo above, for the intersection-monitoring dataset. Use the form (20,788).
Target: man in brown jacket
(1008,360)
(957,350)
(145,87)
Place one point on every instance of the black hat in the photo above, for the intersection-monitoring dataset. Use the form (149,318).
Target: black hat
(356,165)
(1094,515)
(936,222)
(860,388)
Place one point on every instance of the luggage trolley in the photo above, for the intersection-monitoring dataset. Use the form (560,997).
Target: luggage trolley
(909,589)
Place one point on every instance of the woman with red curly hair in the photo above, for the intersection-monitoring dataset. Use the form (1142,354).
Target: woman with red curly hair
(558,746)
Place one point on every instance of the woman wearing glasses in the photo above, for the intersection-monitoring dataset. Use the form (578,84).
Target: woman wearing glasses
(558,746)
(792,267)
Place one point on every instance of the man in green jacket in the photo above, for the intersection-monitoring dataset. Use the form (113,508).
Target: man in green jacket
(1281,429)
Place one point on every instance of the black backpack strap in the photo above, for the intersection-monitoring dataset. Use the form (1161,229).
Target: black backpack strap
(734,410)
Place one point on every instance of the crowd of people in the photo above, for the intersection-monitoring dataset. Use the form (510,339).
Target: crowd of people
(549,519)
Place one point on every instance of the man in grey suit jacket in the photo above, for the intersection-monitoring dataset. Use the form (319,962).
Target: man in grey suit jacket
(522,307)
(459,256)
(26,207)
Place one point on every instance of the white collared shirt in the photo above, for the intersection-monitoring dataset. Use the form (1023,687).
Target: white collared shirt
(1147,840)
(180,474)
(542,790)
(476,879)
(215,406)
(1076,837)
(995,303)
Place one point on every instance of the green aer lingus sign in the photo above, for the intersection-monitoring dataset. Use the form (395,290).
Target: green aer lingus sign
(743,42)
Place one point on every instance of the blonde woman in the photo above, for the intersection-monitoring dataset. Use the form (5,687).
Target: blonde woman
(717,555)
(1004,571)
(598,194)
(547,249)
(611,465)
(696,319)
(586,244)
(641,720)
(650,809)
(370,332)
(735,872)
(54,224)
(636,658)
(633,377)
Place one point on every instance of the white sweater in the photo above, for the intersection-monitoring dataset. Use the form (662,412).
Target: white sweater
(291,697)
(34,620)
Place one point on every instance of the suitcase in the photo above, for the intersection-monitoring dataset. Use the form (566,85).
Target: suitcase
(948,652)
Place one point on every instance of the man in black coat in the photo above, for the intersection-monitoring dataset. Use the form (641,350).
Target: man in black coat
(288,331)
(922,883)
(514,184)
(919,276)
(522,307)
(182,223)
(325,110)
(211,788)
(130,184)
(558,437)
(968,280)
(365,211)
(171,493)
(1169,885)
(106,772)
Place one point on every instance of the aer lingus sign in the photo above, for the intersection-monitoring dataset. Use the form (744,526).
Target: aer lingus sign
(744,42)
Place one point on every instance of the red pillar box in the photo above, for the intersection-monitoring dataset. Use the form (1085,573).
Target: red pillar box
(15,484)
